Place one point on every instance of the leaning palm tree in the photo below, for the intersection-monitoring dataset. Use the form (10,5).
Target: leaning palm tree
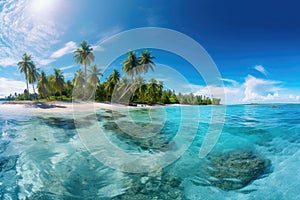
(84,55)
(43,85)
(146,62)
(58,81)
(130,64)
(24,67)
(130,67)
(33,76)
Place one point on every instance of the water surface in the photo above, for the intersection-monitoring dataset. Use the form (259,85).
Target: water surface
(257,156)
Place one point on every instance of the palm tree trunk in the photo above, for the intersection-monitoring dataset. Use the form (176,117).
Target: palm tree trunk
(27,87)
(33,88)
(33,91)
(27,83)
(28,93)
(85,77)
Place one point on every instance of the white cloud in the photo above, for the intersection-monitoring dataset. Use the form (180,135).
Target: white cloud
(68,48)
(97,48)
(9,86)
(261,69)
(44,62)
(228,95)
(23,31)
(69,75)
(291,96)
(233,82)
(260,89)
(253,90)
(294,97)
(7,61)
(67,67)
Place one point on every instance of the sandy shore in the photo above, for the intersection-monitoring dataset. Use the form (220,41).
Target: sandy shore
(29,107)
(55,106)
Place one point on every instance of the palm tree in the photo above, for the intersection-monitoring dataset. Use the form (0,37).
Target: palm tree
(78,83)
(114,77)
(142,88)
(24,67)
(109,88)
(112,81)
(58,81)
(130,64)
(43,85)
(78,78)
(146,62)
(68,88)
(93,81)
(51,81)
(94,74)
(130,67)
(84,55)
(153,90)
(33,76)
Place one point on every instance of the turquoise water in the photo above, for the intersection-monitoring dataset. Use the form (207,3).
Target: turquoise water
(256,157)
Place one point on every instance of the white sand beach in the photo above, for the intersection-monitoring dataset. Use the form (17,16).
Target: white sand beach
(24,107)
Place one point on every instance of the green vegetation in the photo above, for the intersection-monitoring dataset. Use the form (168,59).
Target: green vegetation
(86,84)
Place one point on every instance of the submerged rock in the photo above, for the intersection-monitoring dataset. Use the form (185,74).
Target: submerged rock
(156,141)
(236,170)
(58,122)
(154,185)
(3,145)
(8,163)
(41,195)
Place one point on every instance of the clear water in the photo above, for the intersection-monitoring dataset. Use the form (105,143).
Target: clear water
(42,157)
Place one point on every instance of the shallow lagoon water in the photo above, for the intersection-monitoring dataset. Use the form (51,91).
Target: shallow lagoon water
(256,157)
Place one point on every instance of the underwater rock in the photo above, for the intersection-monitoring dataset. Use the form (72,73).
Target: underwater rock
(152,186)
(3,145)
(8,163)
(58,122)
(236,170)
(41,195)
(157,141)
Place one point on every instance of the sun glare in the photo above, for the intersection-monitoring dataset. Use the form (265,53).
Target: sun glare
(42,7)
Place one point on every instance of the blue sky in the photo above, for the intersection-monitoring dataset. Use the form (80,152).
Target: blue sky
(255,44)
